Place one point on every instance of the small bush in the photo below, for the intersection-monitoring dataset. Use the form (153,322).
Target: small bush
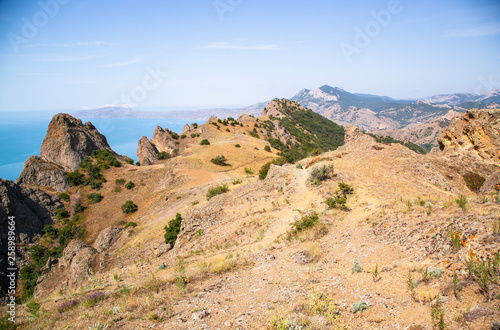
(183,136)
(137,164)
(320,174)
(93,298)
(358,307)
(75,178)
(356,268)
(337,202)
(67,305)
(235,182)
(130,185)
(64,197)
(50,231)
(172,229)
(94,198)
(220,160)
(163,155)
(237,145)
(204,142)
(346,189)
(79,208)
(130,224)
(248,171)
(267,148)
(62,214)
(129,161)
(129,207)
(305,222)
(461,201)
(120,181)
(217,191)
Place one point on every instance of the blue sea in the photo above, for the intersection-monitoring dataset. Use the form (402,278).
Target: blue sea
(22,133)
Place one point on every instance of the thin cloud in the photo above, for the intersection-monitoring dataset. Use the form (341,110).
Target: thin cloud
(477,31)
(85,43)
(228,45)
(56,57)
(126,63)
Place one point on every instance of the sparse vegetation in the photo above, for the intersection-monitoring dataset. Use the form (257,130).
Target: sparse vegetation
(74,178)
(248,171)
(129,207)
(437,314)
(308,226)
(320,174)
(410,284)
(64,197)
(357,267)
(217,190)
(462,202)
(130,185)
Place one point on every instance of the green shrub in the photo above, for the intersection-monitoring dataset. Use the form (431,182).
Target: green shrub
(214,191)
(130,224)
(79,208)
(237,145)
(337,202)
(74,178)
(130,185)
(267,148)
(95,185)
(248,171)
(320,174)
(120,181)
(305,222)
(163,155)
(356,268)
(50,231)
(264,170)
(346,189)
(64,197)
(62,214)
(235,182)
(462,201)
(220,160)
(129,161)
(94,198)
(204,142)
(137,164)
(183,136)
(129,207)
(172,230)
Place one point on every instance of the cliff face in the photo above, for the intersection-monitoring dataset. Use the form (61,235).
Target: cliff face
(68,141)
(37,172)
(163,140)
(32,209)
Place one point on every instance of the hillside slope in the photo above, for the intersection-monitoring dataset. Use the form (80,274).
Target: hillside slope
(282,251)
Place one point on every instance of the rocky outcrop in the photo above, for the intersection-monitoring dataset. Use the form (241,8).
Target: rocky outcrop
(163,140)
(37,172)
(106,238)
(273,109)
(471,146)
(32,209)
(351,133)
(491,184)
(68,141)
(476,134)
(281,133)
(146,151)
(77,258)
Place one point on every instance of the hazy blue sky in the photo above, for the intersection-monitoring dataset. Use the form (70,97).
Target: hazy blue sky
(71,54)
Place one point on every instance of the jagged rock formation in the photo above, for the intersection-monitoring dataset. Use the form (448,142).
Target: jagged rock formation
(163,140)
(476,134)
(106,238)
(32,209)
(77,258)
(146,151)
(37,172)
(471,145)
(68,141)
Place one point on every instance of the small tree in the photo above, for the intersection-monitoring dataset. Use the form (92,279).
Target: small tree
(130,185)
(129,207)
(172,230)
(163,155)
(94,198)
(220,160)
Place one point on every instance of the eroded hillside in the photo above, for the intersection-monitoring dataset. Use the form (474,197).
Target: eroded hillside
(369,235)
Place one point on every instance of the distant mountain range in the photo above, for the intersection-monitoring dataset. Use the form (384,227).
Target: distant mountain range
(369,112)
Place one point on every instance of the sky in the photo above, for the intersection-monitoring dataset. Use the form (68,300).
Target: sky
(82,54)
